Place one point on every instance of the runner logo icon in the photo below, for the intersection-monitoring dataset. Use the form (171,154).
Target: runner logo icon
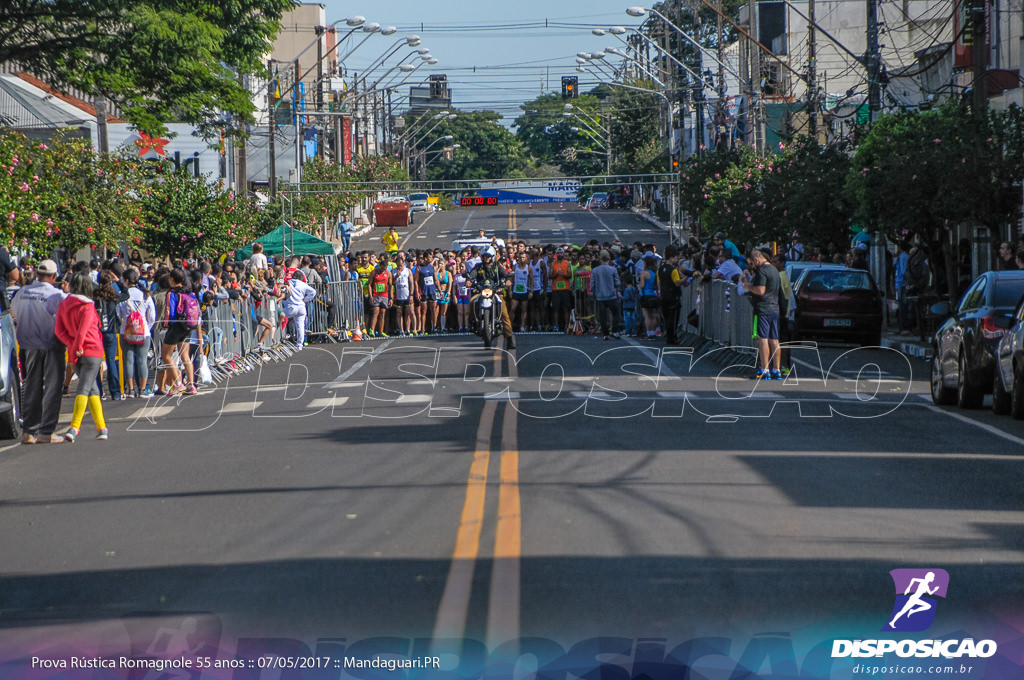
(916,590)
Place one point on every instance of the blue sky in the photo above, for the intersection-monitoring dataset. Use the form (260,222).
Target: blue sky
(515,56)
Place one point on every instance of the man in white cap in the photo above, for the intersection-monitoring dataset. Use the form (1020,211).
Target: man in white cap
(35,313)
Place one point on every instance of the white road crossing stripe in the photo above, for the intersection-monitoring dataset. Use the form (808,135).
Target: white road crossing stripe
(324,402)
(597,394)
(676,395)
(501,396)
(241,407)
(151,412)
(414,399)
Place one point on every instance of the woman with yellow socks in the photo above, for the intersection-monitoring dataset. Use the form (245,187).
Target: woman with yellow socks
(78,327)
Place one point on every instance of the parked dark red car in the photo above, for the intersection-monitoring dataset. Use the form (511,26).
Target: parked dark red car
(837,304)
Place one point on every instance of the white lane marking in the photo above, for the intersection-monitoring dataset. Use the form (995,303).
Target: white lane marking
(340,380)
(241,407)
(676,395)
(413,232)
(605,226)
(344,385)
(414,399)
(991,429)
(151,412)
(324,402)
(597,394)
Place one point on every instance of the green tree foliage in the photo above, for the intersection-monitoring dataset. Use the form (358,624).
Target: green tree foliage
(159,60)
(635,132)
(923,172)
(63,194)
(487,150)
(756,198)
(184,212)
(324,194)
(546,134)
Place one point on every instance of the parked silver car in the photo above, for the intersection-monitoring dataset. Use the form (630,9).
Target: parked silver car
(1008,382)
(10,376)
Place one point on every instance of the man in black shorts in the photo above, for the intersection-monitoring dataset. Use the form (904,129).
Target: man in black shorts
(763,285)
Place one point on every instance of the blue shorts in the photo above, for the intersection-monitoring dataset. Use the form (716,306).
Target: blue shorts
(768,326)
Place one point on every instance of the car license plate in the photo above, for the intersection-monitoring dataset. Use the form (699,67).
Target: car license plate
(838,323)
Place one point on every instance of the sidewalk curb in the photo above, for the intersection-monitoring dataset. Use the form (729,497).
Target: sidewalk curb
(911,349)
(646,216)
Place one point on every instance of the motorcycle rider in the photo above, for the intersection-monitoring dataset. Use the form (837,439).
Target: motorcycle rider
(488,271)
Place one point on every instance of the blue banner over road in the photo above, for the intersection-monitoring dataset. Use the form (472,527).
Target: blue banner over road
(563,191)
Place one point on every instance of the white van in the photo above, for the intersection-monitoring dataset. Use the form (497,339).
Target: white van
(419,202)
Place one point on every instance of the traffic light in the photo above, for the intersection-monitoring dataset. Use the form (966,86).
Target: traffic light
(569,84)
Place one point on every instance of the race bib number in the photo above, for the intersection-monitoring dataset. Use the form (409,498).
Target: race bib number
(379,288)
(561,285)
(428,281)
(520,288)
(463,291)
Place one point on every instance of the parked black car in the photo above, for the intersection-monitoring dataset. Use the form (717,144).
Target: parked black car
(964,347)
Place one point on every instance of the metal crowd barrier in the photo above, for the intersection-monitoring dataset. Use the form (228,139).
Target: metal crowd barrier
(338,307)
(725,316)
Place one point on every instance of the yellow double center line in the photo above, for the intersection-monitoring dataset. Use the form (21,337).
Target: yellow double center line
(504,599)
(513,223)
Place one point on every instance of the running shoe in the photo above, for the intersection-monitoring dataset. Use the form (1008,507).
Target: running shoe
(29,439)
(762,374)
(102,434)
(776,374)
(71,434)
(192,389)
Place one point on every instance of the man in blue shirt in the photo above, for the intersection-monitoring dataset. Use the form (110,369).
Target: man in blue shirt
(901,280)
(345,232)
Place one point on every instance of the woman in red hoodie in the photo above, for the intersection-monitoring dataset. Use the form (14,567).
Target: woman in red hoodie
(78,327)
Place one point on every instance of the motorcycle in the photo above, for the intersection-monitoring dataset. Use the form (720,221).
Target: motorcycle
(487,314)
(623,201)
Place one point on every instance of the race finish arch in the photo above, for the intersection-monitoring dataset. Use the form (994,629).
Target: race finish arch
(525,191)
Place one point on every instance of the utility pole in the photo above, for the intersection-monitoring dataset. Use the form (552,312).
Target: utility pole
(979,56)
(321,134)
(241,167)
(103,139)
(721,109)
(272,127)
(873,62)
(701,101)
(812,75)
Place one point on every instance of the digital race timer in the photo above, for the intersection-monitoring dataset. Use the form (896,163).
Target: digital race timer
(480,200)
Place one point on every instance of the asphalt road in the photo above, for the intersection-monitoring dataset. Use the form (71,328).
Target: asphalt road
(543,223)
(427,488)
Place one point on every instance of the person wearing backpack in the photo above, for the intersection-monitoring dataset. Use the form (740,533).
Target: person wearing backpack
(137,315)
(107,296)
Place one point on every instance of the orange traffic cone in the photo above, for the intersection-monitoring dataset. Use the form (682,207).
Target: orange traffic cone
(529,206)
(577,327)
(357,334)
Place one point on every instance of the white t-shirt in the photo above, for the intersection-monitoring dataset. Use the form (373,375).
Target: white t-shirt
(258,260)
(402,280)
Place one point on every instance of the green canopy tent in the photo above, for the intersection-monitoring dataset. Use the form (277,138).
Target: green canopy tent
(287,240)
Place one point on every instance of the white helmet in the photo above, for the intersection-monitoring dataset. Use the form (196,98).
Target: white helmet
(489,250)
